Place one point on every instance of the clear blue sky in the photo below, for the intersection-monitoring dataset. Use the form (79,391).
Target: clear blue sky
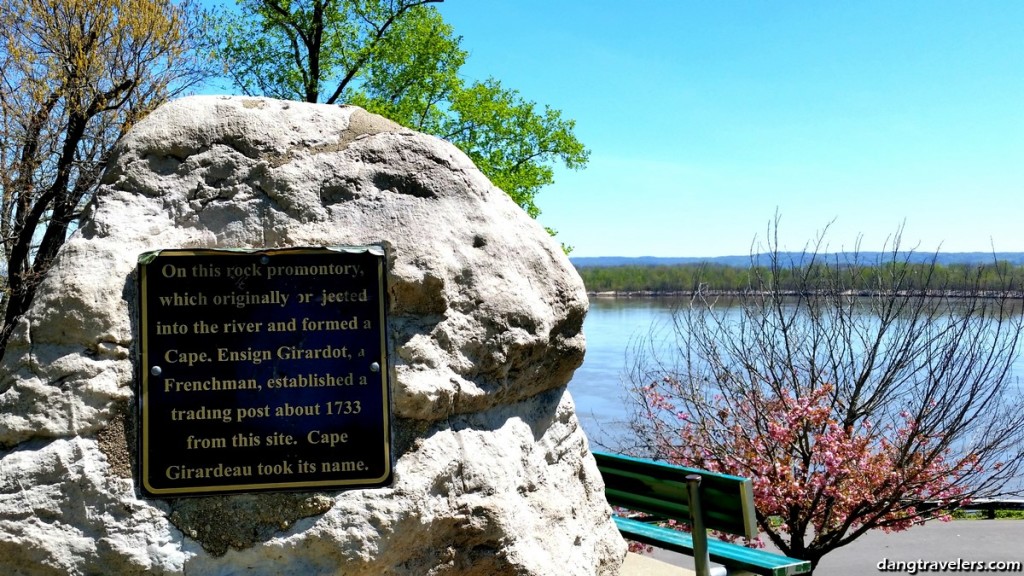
(705,118)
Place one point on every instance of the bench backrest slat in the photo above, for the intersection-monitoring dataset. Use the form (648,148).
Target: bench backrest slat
(659,489)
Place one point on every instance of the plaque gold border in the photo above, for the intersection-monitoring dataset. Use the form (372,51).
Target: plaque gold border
(144,420)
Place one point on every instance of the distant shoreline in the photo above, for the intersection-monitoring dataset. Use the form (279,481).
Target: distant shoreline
(788,259)
(1011,295)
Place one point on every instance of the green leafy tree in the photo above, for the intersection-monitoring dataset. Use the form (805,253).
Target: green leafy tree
(400,59)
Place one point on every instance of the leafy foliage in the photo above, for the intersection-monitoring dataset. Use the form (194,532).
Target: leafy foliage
(74,76)
(397,58)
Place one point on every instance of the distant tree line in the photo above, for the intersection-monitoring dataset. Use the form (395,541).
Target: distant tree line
(793,276)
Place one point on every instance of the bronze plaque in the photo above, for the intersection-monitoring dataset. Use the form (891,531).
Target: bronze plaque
(263,370)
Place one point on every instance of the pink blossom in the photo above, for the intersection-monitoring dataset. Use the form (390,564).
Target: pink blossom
(809,463)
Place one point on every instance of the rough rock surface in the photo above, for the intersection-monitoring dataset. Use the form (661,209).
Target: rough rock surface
(493,474)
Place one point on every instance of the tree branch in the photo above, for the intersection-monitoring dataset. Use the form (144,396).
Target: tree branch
(368,50)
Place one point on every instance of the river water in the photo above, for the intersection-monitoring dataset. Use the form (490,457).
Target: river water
(600,386)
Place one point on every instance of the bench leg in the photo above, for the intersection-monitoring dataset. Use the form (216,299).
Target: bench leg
(701,562)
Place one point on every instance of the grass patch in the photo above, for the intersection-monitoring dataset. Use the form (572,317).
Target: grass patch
(983,515)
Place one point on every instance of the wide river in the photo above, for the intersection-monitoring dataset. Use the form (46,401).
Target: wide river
(600,386)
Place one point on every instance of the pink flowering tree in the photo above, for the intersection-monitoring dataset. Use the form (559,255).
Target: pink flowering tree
(852,402)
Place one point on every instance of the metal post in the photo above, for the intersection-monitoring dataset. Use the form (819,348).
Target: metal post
(701,562)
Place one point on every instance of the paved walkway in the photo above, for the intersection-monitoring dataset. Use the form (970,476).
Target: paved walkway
(638,565)
(967,540)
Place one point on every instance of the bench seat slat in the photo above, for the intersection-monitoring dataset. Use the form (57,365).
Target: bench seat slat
(660,488)
(734,555)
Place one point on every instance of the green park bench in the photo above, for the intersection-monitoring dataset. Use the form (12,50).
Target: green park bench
(704,500)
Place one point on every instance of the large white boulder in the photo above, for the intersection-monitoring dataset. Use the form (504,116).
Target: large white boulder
(493,473)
